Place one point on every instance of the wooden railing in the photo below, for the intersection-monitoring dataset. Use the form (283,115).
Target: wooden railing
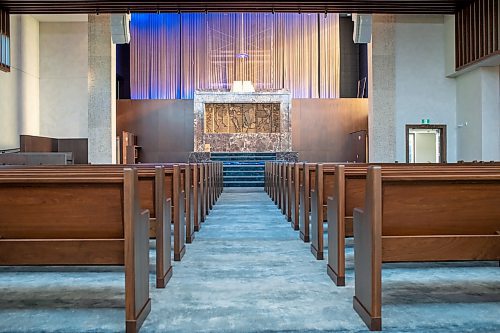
(476,32)
(10,150)
(4,40)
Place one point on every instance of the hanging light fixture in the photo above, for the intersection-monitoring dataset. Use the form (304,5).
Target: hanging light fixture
(242,54)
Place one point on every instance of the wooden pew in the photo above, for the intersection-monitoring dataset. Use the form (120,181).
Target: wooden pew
(416,218)
(100,223)
(348,192)
(324,188)
(152,196)
(174,190)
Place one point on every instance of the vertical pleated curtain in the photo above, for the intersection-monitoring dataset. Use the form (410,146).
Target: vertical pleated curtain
(172,55)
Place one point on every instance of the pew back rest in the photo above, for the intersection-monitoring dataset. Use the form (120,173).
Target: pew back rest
(62,208)
(146,174)
(440,205)
(355,177)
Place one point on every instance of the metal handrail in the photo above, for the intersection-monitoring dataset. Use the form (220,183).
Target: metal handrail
(11,150)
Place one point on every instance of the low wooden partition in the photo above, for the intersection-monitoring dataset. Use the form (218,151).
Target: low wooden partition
(410,217)
(99,223)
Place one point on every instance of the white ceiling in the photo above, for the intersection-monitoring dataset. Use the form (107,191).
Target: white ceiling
(61,17)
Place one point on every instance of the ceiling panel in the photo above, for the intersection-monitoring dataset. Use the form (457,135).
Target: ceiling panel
(338,6)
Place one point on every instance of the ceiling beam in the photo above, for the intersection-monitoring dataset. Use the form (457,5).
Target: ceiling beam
(336,6)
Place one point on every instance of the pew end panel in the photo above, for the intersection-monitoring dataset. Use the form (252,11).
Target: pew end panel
(188,208)
(304,205)
(337,229)
(316,230)
(163,230)
(196,200)
(138,303)
(415,216)
(367,300)
(202,194)
(179,216)
(317,214)
(289,191)
(296,197)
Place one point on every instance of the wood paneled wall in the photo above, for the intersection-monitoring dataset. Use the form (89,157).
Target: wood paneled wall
(477,32)
(320,127)
(164,128)
(4,40)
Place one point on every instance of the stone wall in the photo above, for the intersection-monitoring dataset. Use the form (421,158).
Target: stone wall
(243,142)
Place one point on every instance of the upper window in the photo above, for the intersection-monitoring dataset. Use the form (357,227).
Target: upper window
(4,41)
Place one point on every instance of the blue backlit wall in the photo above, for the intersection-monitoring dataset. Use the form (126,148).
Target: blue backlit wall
(172,55)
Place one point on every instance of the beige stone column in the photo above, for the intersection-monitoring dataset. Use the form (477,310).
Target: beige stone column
(382,90)
(101,91)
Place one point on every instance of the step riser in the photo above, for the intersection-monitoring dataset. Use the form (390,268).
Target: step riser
(243,159)
(243,169)
(216,154)
(243,179)
(244,185)
(242,173)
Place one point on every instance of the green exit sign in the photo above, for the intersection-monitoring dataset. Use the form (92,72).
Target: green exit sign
(426,121)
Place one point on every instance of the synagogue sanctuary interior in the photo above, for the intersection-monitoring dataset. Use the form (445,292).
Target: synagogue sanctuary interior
(249,166)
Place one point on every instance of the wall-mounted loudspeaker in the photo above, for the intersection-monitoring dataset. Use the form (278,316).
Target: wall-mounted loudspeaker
(120,28)
(362,28)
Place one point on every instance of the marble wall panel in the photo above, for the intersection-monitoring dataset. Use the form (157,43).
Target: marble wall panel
(244,142)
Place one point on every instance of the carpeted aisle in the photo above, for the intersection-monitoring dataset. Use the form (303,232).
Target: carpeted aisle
(247,272)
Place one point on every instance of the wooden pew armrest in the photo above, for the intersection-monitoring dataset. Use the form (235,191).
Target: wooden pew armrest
(144,214)
(358,215)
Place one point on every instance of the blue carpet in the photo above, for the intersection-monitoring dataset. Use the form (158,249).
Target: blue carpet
(247,272)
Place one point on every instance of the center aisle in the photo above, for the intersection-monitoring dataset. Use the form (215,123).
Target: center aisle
(247,272)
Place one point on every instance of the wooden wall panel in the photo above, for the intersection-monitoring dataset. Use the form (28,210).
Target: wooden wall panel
(41,144)
(321,127)
(477,32)
(164,128)
(79,148)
